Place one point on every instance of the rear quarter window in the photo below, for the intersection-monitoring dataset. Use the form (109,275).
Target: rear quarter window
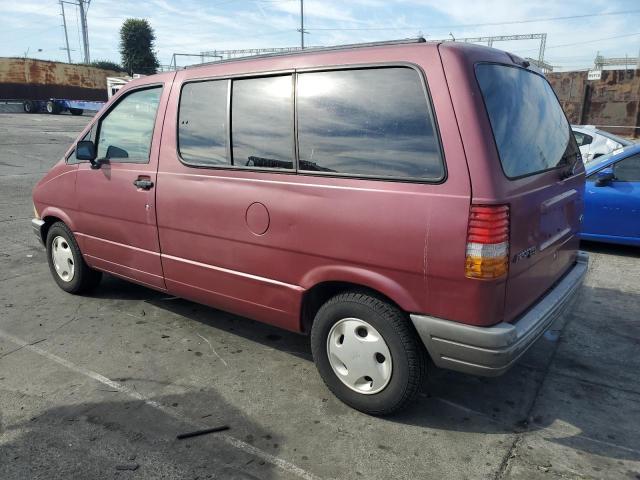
(531,132)
(368,122)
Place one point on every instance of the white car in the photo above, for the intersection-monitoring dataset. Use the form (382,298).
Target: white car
(594,143)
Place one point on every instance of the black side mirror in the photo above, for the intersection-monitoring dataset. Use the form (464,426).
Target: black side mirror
(86,150)
(605,177)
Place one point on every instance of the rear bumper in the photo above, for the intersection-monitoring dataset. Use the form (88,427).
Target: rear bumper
(37,225)
(490,351)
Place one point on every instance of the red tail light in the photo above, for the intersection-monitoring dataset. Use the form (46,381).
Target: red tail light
(487,241)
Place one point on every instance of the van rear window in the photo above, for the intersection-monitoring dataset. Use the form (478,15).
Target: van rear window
(530,129)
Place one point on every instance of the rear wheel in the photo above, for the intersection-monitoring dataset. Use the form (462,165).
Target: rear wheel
(28,106)
(367,353)
(67,266)
(53,107)
(76,111)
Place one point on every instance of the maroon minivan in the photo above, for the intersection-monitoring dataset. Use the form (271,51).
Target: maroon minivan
(398,201)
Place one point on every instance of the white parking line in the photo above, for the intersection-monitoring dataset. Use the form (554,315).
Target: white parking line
(234,442)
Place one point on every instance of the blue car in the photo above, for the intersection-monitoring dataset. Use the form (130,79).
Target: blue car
(612,198)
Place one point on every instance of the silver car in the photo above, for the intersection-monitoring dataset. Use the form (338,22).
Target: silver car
(594,142)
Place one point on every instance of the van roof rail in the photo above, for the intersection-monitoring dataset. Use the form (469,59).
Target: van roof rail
(312,49)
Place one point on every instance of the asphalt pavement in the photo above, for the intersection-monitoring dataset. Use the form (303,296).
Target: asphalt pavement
(99,386)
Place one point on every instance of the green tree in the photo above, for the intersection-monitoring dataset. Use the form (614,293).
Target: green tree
(137,47)
(106,65)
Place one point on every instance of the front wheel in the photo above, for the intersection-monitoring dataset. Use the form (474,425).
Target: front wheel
(367,353)
(67,266)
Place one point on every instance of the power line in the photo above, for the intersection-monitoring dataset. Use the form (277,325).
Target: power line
(595,40)
(488,24)
(224,2)
(31,35)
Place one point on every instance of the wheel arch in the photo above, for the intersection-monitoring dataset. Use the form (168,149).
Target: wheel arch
(51,215)
(320,286)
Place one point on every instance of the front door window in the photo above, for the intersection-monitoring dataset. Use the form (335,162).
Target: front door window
(125,133)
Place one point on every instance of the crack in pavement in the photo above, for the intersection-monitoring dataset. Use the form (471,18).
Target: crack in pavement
(4,355)
(505,463)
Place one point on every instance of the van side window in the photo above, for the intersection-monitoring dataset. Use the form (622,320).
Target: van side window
(262,122)
(202,123)
(367,122)
(125,134)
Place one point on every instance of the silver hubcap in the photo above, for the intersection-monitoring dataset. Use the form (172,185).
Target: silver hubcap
(359,356)
(62,258)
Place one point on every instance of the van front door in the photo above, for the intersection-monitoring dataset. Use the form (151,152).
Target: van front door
(116,224)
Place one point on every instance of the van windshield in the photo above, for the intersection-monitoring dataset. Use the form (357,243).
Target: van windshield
(530,129)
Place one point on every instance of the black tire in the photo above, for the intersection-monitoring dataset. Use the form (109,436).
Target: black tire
(53,108)
(28,106)
(407,352)
(84,278)
(76,111)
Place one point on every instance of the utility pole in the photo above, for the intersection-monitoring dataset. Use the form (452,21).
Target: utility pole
(85,32)
(302,24)
(66,37)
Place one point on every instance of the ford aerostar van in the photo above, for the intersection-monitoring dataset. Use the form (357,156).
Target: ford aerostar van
(399,202)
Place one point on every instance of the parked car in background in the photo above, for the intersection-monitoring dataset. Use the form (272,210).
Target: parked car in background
(333,192)
(594,143)
(612,198)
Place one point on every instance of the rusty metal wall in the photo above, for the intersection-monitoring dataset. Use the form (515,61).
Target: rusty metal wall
(613,102)
(39,80)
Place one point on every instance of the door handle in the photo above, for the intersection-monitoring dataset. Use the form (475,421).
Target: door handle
(143,183)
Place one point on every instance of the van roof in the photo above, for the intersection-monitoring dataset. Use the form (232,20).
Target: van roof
(311,50)
(457,48)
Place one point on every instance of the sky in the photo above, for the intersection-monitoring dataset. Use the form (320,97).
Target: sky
(610,27)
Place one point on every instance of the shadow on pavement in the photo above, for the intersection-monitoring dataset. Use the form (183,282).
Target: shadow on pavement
(97,439)
(584,375)
(610,249)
